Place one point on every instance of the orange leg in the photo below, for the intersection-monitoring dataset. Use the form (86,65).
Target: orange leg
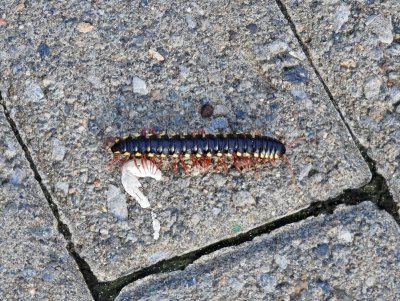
(272,161)
(195,161)
(224,165)
(287,162)
(175,166)
(216,167)
(183,163)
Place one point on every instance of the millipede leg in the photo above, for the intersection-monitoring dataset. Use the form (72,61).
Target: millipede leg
(195,161)
(287,162)
(224,165)
(216,167)
(272,161)
(175,166)
(184,165)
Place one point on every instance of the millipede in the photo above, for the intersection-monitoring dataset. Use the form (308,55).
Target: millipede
(244,150)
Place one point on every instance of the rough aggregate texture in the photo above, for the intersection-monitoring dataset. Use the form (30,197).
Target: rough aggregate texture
(352,254)
(34,261)
(100,80)
(355,45)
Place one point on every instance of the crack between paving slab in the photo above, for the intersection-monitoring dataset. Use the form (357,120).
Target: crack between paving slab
(376,191)
(363,150)
(83,266)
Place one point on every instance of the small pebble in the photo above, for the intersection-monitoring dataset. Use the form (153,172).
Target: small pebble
(155,55)
(191,22)
(277,47)
(220,110)
(20,7)
(219,123)
(184,71)
(58,150)
(233,35)
(252,28)
(341,16)
(206,110)
(3,22)
(348,64)
(85,27)
(62,187)
(372,87)
(116,203)
(155,95)
(296,74)
(382,27)
(33,92)
(344,235)
(43,50)
(18,177)
(139,86)
(216,211)
(243,198)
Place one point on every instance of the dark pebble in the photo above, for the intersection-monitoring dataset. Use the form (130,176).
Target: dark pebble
(206,110)
(173,95)
(43,50)
(325,286)
(297,74)
(156,68)
(252,27)
(232,35)
(240,114)
(322,249)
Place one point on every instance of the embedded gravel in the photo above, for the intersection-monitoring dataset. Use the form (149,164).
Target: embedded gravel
(34,261)
(353,254)
(79,72)
(355,46)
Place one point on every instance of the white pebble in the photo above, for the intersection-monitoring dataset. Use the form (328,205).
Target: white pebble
(341,16)
(243,198)
(58,150)
(156,226)
(116,203)
(139,86)
(345,235)
(372,87)
(33,92)
(277,47)
(382,27)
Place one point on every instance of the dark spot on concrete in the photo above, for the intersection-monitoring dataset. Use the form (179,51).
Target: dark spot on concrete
(43,50)
(232,35)
(297,74)
(252,28)
(240,114)
(206,110)
(322,249)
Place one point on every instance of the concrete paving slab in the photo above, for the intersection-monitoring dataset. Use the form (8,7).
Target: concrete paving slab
(125,66)
(352,254)
(356,48)
(34,261)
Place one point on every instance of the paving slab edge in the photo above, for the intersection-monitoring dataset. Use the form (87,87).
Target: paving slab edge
(89,277)
(375,191)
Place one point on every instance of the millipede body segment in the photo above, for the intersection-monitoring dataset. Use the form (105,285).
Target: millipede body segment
(236,145)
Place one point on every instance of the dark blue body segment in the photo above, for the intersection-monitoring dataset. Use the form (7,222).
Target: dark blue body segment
(233,144)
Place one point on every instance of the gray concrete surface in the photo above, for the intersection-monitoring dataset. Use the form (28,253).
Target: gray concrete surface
(78,72)
(34,262)
(355,45)
(352,254)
